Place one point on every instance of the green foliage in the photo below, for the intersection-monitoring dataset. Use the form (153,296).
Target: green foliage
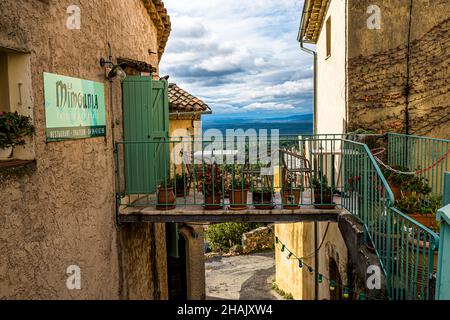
(281,292)
(181,181)
(293,182)
(416,203)
(212,181)
(223,236)
(321,184)
(14,128)
(166,184)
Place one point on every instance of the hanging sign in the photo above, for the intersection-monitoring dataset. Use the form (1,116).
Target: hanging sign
(74,108)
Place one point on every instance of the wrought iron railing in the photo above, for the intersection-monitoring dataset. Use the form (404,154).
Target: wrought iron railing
(429,157)
(326,171)
(407,250)
(248,172)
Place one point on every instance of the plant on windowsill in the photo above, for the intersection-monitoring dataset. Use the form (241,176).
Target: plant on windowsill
(323,197)
(212,187)
(166,196)
(14,128)
(240,185)
(291,192)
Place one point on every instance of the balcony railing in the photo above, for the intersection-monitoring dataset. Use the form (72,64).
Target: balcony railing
(248,172)
(292,172)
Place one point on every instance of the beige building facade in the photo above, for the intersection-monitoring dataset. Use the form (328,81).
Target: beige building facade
(381,65)
(58,198)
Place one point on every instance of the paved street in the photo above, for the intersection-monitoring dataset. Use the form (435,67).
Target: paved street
(240,277)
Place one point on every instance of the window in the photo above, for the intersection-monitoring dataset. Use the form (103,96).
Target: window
(16,91)
(328,35)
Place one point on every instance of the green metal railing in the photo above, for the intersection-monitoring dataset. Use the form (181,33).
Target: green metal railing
(323,170)
(429,156)
(406,249)
(233,175)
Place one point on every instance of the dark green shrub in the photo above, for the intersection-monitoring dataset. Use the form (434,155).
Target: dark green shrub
(223,236)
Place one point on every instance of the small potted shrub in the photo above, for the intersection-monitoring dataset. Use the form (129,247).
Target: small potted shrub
(323,197)
(421,208)
(263,196)
(14,128)
(239,191)
(181,186)
(212,188)
(166,196)
(291,192)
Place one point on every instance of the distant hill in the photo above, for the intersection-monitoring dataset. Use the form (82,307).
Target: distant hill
(292,124)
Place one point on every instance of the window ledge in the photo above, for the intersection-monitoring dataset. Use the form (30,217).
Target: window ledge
(15,163)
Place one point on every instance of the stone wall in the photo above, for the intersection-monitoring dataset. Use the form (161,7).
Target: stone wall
(259,239)
(60,211)
(377,68)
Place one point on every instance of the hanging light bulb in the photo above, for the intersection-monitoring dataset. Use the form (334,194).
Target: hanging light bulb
(319,278)
(332,285)
(300,264)
(282,248)
(310,269)
(345,295)
(276,240)
(289,255)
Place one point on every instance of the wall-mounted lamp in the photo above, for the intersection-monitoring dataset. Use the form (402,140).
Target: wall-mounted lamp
(117,70)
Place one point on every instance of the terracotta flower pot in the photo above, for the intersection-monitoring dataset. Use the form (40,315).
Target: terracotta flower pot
(239,199)
(213,202)
(181,192)
(291,198)
(428,220)
(263,200)
(323,200)
(166,199)
(395,190)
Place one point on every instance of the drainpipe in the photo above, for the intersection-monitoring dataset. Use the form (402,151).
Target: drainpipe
(303,48)
(316,226)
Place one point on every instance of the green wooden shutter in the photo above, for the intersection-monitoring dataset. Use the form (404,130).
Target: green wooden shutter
(146,125)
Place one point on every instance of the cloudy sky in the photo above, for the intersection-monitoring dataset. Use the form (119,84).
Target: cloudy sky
(240,56)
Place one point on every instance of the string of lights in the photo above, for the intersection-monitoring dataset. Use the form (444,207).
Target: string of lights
(333,283)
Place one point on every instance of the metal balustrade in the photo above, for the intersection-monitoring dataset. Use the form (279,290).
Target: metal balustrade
(325,171)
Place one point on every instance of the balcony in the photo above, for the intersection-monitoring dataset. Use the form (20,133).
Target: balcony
(300,178)
(251,179)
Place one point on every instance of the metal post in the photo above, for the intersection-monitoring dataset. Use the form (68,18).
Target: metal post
(443,267)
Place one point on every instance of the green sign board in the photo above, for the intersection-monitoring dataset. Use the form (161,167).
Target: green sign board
(74,108)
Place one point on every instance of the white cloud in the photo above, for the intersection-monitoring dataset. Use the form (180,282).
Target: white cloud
(239,55)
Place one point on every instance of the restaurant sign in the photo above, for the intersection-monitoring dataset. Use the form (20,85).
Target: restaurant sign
(74,108)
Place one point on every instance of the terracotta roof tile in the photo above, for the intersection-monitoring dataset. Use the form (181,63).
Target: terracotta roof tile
(182,101)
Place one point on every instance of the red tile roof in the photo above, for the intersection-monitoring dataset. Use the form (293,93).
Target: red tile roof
(182,101)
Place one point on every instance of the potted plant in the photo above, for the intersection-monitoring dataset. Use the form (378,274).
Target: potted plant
(263,195)
(421,208)
(181,187)
(166,196)
(14,128)
(239,191)
(212,188)
(395,179)
(323,197)
(291,192)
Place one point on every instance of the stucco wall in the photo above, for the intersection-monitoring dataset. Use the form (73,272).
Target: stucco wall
(377,67)
(299,238)
(61,211)
(331,73)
